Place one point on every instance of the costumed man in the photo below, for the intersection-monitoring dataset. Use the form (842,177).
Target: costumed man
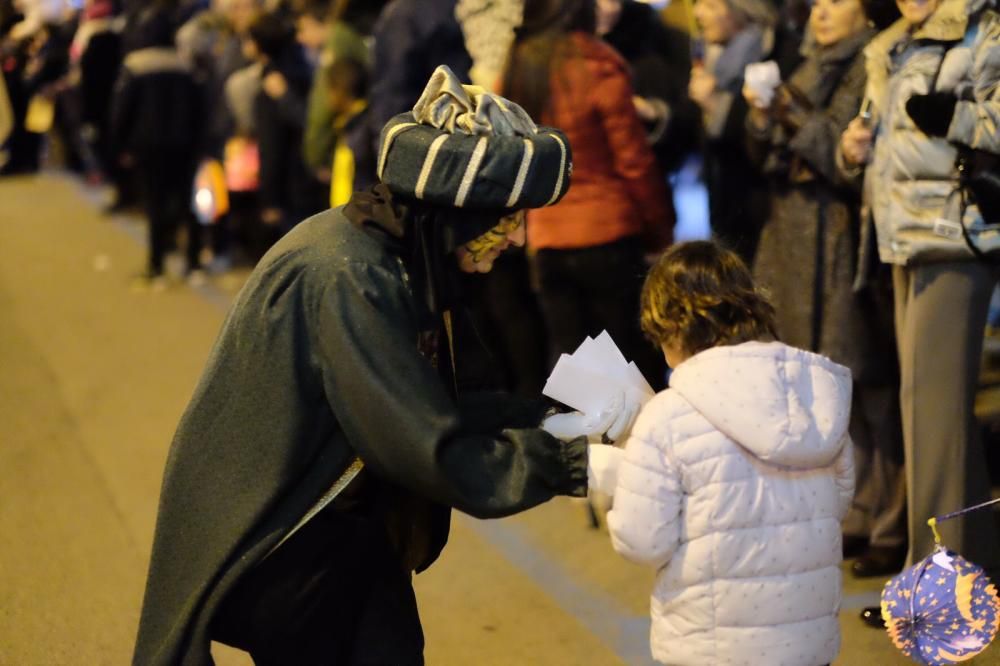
(338,355)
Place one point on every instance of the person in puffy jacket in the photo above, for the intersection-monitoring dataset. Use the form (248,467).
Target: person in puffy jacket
(734,481)
(933,78)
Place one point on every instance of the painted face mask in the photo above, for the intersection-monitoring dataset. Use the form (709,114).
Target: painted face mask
(495,237)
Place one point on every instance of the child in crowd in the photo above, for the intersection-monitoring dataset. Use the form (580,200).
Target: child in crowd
(734,480)
(353,166)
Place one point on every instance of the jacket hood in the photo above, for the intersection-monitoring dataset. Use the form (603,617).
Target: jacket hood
(787,406)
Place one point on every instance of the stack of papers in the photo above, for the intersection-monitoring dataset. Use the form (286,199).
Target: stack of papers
(595,374)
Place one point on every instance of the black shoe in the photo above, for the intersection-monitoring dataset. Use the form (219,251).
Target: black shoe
(879,561)
(872,617)
(854,546)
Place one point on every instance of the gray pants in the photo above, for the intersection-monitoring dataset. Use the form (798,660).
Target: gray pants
(940,317)
(878,512)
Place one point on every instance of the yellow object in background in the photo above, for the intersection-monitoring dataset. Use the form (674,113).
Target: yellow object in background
(40,115)
(342,180)
(211,198)
(242,164)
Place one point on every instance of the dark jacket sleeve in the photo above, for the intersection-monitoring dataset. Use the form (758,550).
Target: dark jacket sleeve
(123,107)
(818,136)
(402,423)
(811,134)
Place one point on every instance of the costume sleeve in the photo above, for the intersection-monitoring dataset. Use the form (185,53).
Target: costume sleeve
(843,468)
(645,521)
(633,159)
(396,413)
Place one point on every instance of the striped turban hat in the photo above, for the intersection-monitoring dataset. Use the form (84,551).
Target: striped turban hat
(464,147)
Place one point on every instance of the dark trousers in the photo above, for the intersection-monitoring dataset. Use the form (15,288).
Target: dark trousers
(584,291)
(167,182)
(334,593)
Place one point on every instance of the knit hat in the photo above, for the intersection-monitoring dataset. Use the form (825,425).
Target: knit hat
(464,147)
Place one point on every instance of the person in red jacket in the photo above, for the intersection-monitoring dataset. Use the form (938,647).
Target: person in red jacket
(588,251)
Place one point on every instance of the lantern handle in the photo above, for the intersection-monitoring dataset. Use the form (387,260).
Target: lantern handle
(934,520)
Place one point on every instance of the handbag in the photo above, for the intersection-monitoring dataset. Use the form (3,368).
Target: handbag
(979,183)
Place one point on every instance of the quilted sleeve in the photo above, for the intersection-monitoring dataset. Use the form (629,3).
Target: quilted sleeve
(645,521)
(843,468)
(975,121)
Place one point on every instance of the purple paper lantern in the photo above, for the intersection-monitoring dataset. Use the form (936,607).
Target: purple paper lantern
(942,610)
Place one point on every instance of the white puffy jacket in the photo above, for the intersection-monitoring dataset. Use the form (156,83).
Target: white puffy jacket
(733,484)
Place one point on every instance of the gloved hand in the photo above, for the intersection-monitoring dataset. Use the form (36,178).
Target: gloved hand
(614,420)
(932,112)
(602,467)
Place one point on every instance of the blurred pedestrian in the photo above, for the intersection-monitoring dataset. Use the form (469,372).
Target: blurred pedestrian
(588,251)
(95,57)
(329,32)
(410,39)
(156,114)
(288,191)
(353,162)
(660,59)
(807,260)
(734,33)
(931,81)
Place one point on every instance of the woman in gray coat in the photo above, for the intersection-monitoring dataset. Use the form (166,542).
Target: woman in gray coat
(807,259)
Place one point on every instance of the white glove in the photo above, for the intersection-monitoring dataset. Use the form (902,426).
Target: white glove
(614,420)
(602,467)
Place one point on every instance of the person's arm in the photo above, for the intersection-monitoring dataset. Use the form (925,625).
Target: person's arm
(633,159)
(645,521)
(122,113)
(761,135)
(398,416)
(289,102)
(816,138)
(319,137)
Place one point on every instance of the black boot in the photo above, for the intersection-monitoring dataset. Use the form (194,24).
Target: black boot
(872,617)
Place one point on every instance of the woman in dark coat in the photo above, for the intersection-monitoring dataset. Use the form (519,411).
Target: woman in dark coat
(734,33)
(807,259)
(288,190)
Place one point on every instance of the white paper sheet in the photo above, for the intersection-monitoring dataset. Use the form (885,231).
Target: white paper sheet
(590,378)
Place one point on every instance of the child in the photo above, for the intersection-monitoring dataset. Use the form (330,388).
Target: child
(353,165)
(735,479)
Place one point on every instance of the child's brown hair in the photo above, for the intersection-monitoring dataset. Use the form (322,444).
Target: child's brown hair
(701,295)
